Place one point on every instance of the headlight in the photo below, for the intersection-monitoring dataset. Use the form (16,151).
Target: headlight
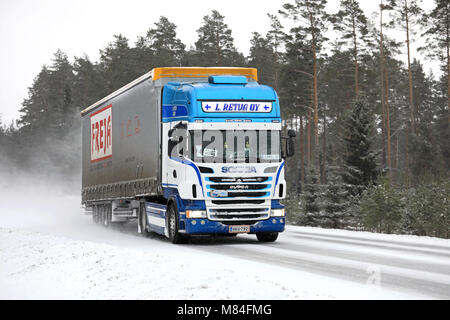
(277,212)
(195,214)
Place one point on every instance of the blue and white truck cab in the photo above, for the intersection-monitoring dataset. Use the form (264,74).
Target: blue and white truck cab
(221,159)
(218,190)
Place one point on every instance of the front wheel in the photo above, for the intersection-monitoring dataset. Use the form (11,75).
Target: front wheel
(172,225)
(267,236)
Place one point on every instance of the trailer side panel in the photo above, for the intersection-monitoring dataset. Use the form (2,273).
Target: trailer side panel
(120,145)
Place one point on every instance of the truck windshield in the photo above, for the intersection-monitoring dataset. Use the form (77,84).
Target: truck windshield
(235,146)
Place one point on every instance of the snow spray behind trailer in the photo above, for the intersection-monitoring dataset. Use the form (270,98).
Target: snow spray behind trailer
(187,151)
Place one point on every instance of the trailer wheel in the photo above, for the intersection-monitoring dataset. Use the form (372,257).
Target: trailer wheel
(102,214)
(107,215)
(267,236)
(142,221)
(172,225)
(97,214)
(94,214)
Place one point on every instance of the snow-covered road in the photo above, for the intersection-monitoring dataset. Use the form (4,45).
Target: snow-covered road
(404,264)
(55,252)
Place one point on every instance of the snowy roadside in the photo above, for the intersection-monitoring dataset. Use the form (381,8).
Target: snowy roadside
(43,266)
(365,235)
(49,250)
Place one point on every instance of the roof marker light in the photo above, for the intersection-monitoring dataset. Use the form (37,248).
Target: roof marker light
(227,79)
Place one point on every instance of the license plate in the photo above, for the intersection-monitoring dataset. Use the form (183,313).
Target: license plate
(238,229)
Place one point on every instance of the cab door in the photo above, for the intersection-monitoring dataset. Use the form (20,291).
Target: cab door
(176,152)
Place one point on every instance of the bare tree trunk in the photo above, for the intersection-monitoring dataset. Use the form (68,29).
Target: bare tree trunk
(397,165)
(407,153)
(388,121)
(383,127)
(302,157)
(308,132)
(324,149)
(448,78)
(411,97)
(315,89)
(355,53)
(383,108)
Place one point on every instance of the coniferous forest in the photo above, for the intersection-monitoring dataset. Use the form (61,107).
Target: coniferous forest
(372,122)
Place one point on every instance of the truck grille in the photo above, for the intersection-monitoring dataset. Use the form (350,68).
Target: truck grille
(228,202)
(237,179)
(231,214)
(239,187)
(240,194)
(238,199)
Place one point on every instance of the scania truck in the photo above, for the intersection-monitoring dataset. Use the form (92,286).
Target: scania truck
(187,151)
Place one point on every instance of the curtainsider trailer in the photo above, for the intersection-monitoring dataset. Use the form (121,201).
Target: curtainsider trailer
(187,151)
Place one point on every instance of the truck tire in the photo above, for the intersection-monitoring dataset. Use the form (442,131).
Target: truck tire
(142,221)
(95,214)
(101,214)
(107,215)
(172,225)
(267,236)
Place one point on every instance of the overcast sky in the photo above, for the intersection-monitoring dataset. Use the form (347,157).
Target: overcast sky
(32,30)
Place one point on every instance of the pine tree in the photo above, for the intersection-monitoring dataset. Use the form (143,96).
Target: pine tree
(50,100)
(426,155)
(295,91)
(428,207)
(360,167)
(312,213)
(311,18)
(352,23)
(437,38)
(384,80)
(337,87)
(215,45)
(381,207)
(48,115)
(162,42)
(8,149)
(441,124)
(275,37)
(336,199)
(407,14)
(118,64)
(262,57)
(89,86)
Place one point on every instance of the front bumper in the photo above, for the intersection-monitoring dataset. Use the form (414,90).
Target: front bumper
(205,226)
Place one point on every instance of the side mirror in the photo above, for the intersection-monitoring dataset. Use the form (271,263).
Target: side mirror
(290,144)
(292,133)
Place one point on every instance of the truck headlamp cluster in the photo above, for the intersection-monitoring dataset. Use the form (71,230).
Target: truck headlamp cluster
(195,214)
(277,212)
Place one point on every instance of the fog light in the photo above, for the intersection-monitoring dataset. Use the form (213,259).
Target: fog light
(281,220)
(203,222)
(277,212)
(194,222)
(274,221)
(195,214)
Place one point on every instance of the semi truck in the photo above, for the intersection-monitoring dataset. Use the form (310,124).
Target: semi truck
(187,151)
